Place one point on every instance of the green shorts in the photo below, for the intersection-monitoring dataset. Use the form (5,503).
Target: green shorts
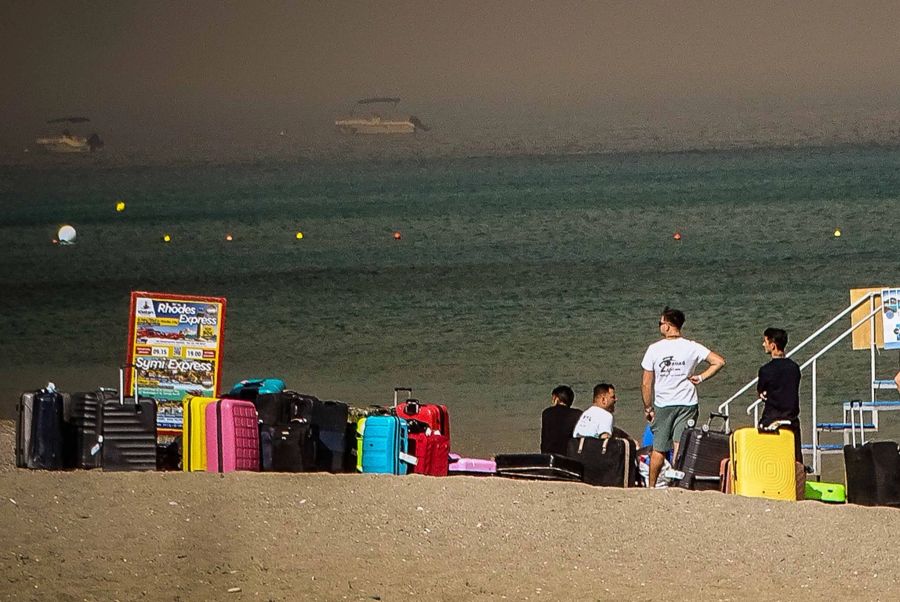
(669,423)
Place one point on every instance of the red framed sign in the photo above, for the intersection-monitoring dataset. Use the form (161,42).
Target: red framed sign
(175,346)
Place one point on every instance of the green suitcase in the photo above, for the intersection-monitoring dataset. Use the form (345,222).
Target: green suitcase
(834,493)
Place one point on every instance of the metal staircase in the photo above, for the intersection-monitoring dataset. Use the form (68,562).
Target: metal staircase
(867,411)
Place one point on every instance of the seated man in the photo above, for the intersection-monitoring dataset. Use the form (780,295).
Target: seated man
(558,420)
(597,420)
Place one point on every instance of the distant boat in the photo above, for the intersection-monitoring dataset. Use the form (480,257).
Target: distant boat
(68,142)
(376,124)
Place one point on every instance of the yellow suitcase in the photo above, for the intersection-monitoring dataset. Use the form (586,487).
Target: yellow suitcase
(193,432)
(762,464)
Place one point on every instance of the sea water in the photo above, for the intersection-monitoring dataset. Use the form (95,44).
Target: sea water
(512,274)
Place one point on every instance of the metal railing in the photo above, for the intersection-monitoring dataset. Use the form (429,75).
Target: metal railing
(754,406)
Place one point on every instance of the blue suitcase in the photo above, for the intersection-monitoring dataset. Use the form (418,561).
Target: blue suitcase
(385,446)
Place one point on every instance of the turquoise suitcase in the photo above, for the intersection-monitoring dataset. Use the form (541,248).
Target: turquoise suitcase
(385,446)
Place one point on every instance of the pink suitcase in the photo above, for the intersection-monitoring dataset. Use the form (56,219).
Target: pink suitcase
(471,466)
(232,436)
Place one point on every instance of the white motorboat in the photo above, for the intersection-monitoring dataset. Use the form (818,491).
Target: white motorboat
(66,142)
(376,124)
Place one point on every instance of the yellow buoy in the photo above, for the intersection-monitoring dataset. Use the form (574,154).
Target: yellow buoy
(167,238)
(299,235)
(228,237)
(120,206)
(837,232)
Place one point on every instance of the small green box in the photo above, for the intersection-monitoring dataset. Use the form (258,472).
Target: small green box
(834,493)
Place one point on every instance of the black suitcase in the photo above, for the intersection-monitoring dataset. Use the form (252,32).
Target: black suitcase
(40,430)
(700,454)
(267,434)
(294,448)
(329,421)
(873,474)
(550,467)
(609,462)
(300,406)
(82,430)
(129,434)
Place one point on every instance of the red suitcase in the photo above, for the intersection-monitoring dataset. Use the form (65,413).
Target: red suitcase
(432,453)
(436,417)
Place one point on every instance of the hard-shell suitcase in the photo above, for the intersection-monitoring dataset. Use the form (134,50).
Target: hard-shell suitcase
(471,466)
(193,429)
(249,388)
(432,453)
(762,463)
(266,395)
(330,422)
(294,447)
(833,493)
(609,462)
(700,454)
(39,430)
(873,473)
(83,443)
(386,446)
(725,476)
(232,436)
(129,434)
(435,417)
(547,467)
(360,431)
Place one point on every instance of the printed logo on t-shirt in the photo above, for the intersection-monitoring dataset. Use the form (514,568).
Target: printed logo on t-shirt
(668,365)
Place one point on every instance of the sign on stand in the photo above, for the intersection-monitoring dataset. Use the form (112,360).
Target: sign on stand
(175,344)
(890,307)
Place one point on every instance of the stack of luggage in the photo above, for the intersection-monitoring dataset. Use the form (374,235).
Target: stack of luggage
(413,437)
(95,429)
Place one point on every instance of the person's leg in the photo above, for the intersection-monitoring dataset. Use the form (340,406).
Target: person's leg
(681,416)
(657,460)
(662,443)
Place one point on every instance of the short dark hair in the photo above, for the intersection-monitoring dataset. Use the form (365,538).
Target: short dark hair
(674,317)
(565,394)
(602,388)
(777,336)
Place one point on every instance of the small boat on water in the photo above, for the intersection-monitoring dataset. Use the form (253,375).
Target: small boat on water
(376,124)
(66,142)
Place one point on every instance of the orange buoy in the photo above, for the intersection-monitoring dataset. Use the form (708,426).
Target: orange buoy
(228,237)
(397,235)
(677,236)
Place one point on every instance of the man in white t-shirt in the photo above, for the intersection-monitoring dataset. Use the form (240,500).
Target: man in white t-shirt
(597,420)
(669,385)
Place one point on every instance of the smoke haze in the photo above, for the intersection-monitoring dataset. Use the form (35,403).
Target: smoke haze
(184,72)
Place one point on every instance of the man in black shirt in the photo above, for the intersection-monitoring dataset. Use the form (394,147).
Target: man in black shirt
(558,421)
(779,386)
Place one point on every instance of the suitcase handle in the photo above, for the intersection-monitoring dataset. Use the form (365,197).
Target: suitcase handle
(398,390)
(134,382)
(773,427)
(723,417)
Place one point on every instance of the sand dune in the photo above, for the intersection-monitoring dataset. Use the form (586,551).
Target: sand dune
(163,536)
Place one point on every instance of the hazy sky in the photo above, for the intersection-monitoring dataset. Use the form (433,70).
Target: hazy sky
(177,63)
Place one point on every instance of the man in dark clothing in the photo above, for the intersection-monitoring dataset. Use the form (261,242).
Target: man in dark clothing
(779,386)
(558,421)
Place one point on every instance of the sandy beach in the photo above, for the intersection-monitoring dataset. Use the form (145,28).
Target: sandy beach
(90,535)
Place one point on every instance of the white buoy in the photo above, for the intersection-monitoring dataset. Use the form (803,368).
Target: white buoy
(66,235)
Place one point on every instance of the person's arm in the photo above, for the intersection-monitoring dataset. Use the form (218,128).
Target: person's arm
(716,362)
(897,381)
(762,384)
(647,393)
